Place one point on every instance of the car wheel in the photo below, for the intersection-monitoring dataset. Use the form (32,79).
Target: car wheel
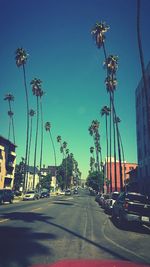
(11,201)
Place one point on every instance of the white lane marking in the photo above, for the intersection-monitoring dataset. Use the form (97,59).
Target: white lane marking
(4,220)
(117,245)
(36,209)
(84,229)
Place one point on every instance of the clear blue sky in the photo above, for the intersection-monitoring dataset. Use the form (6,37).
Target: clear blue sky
(62,53)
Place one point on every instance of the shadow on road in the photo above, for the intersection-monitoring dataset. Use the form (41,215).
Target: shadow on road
(63,203)
(23,244)
(19,244)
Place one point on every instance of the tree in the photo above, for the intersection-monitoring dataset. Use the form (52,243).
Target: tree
(106,111)
(19,175)
(94,131)
(36,89)
(146,87)
(41,109)
(93,180)
(46,182)
(48,129)
(9,97)
(21,59)
(111,64)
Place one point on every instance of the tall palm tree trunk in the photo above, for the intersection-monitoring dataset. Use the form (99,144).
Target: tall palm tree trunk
(114,133)
(143,66)
(41,153)
(9,126)
(12,120)
(110,132)
(119,155)
(30,139)
(27,124)
(36,139)
(107,150)
(123,157)
(53,150)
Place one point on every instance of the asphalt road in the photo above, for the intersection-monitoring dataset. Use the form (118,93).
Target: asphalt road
(64,227)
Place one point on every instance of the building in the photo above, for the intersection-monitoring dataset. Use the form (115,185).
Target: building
(143,134)
(30,177)
(126,168)
(50,170)
(7,163)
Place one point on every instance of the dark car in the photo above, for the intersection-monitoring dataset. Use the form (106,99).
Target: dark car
(68,192)
(131,207)
(44,194)
(75,191)
(6,195)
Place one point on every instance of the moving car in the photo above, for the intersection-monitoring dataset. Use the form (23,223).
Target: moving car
(75,191)
(6,195)
(31,195)
(68,192)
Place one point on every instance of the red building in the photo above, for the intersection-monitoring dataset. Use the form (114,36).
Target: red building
(126,168)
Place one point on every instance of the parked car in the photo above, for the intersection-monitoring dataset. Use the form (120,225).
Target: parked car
(31,195)
(131,207)
(68,192)
(98,197)
(6,195)
(110,202)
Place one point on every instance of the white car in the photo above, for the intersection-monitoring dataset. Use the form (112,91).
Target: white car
(110,202)
(31,195)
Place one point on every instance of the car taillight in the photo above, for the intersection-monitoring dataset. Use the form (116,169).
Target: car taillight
(126,204)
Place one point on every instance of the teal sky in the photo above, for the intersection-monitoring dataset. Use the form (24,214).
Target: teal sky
(62,53)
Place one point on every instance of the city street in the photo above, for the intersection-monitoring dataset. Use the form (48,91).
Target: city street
(64,227)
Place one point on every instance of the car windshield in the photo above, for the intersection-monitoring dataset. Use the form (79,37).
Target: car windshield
(74,131)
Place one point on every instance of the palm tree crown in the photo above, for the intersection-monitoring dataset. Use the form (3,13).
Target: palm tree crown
(47,126)
(111,64)
(36,87)
(21,57)
(98,33)
(105,111)
(9,97)
(31,112)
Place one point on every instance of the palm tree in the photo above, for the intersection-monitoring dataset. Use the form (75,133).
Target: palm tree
(36,89)
(31,114)
(9,97)
(48,129)
(98,33)
(65,148)
(146,88)
(61,146)
(93,131)
(111,64)
(117,120)
(106,111)
(21,59)
(41,153)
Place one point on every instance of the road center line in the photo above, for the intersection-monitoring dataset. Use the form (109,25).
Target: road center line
(4,220)
(36,209)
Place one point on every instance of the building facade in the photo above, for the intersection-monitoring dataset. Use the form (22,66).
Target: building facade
(143,134)
(7,163)
(126,168)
